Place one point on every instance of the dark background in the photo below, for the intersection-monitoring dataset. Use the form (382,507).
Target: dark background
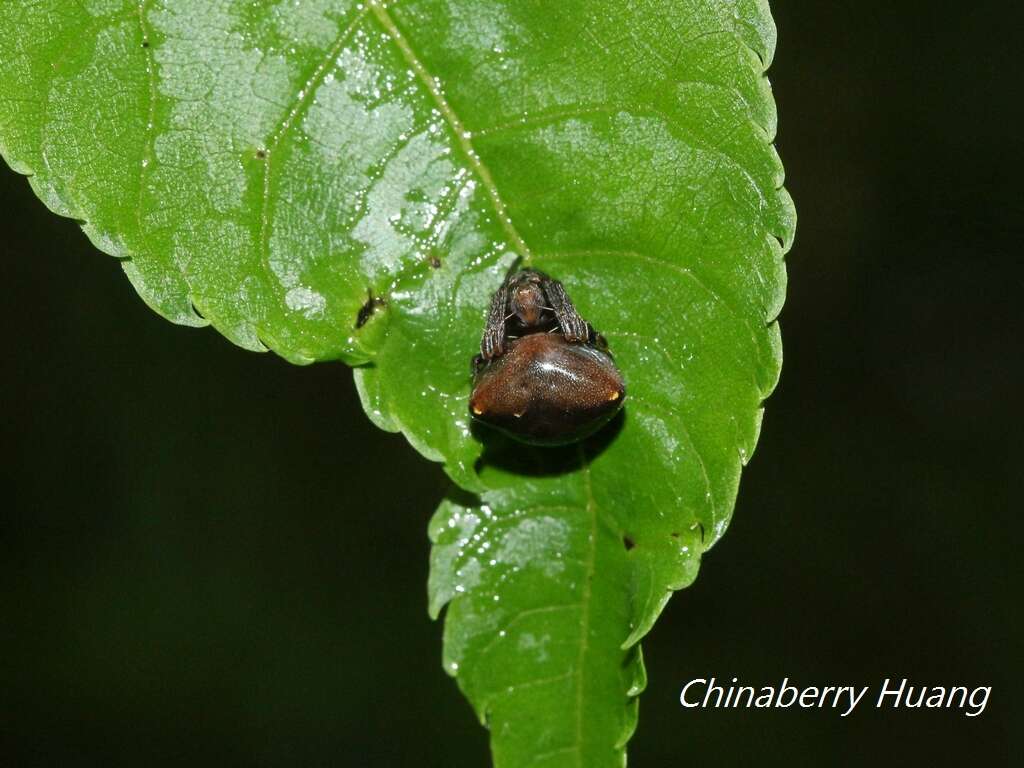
(208,557)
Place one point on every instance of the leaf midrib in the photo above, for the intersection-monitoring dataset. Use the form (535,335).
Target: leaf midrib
(462,137)
(585,600)
(455,124)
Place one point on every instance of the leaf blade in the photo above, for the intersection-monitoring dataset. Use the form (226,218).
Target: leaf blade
(279,168)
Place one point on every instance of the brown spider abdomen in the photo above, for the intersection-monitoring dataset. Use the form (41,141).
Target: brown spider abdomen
(548,391)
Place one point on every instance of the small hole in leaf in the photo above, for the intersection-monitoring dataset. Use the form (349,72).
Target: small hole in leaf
(628,542)
(675,535)
(373,303)
(145,43)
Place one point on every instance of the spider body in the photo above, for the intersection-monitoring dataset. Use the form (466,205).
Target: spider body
(543,375)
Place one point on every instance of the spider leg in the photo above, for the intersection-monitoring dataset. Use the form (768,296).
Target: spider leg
(493,342)
(574,327)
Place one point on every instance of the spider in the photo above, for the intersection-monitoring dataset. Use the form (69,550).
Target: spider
(543,375)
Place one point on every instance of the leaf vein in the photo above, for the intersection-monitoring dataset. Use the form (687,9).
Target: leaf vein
(462,136)
(301,103)
(520,615)
(560,751)
(148,136)
(664,263)
(672,411)
(540,681)
(585,602)
(528,120)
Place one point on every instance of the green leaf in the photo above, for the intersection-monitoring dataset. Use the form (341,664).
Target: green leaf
(269,167)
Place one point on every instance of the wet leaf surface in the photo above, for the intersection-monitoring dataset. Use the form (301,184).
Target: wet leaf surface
(348,181)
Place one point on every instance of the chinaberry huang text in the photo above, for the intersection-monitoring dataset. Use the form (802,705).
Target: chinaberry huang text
(709,693)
